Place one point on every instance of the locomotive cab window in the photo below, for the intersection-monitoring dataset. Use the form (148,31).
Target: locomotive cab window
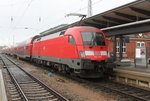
(71,40)
(92,38)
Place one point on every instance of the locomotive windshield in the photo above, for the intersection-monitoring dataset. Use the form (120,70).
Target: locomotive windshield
(92,38)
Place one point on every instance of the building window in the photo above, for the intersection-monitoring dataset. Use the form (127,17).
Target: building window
(124,47)
(140,44)
(118,47)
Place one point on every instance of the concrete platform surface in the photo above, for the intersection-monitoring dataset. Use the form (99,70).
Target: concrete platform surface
(139,76)
(133,68)
(3,96)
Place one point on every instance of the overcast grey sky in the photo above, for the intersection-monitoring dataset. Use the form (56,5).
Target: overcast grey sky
(18,15)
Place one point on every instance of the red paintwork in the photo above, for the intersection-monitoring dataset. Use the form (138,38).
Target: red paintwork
(57,47)
(24,49)
(60,48)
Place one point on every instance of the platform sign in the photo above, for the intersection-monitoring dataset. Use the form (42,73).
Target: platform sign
(140,52)
(141,57)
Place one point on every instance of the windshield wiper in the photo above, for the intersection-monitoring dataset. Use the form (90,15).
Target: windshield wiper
(92,41)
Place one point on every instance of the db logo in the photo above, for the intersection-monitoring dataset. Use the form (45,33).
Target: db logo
(97,56)
(97,53)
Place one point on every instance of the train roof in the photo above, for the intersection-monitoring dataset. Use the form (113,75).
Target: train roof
(53,29)
(23,43)
(65,28)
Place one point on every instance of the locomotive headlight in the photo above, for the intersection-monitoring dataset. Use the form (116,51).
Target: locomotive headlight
(82,54)
(86,53)
(103,52)
(89,53)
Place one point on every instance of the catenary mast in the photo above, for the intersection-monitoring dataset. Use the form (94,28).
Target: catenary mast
(89,8)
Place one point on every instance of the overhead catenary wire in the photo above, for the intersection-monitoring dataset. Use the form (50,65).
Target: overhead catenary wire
(87,6)
(14,25)
(76,11)
(21,17)
(29,4)
(18,22)
(15,3)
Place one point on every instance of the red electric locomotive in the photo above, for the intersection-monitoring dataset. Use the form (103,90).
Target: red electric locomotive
(82,51)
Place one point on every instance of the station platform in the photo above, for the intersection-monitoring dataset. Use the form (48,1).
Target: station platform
(139,76)
(3,96)
(136,69)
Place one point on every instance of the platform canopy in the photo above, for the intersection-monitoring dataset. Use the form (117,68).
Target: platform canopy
(132,12)
(127,19)
(136,11)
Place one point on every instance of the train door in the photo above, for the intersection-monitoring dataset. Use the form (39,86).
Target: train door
(39,47)
(73,48)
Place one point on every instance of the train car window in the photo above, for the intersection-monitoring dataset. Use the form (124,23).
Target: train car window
(92,38)
(71,39)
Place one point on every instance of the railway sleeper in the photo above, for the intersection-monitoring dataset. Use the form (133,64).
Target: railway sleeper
(56,99)
(17,99)
(125,89)
(38,94)
(42,98)
(142,94)
(12,90)
(33,92)
(32,87)
(147,97)
(133,92)
(39,89)
(15,95)
(10,84)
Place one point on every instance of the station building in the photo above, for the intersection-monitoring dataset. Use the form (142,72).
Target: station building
(128,48)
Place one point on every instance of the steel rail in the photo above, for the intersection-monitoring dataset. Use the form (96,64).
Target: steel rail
(15,82)
(59,96)
(122,92)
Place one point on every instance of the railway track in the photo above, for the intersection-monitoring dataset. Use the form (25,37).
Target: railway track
(12,93)
(126,91)
(121,92)
(25,87)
